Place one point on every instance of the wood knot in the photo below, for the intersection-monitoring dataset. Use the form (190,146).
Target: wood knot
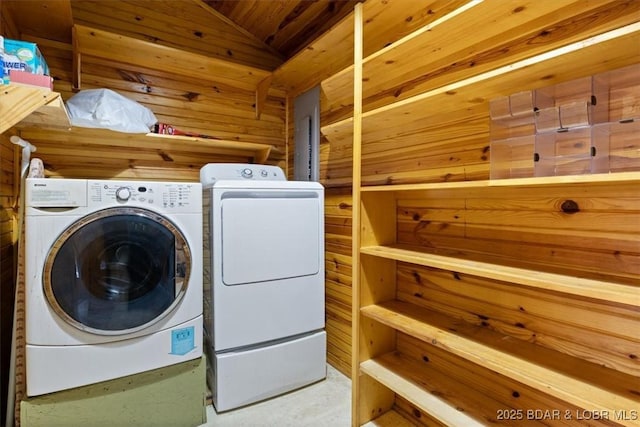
(570,207)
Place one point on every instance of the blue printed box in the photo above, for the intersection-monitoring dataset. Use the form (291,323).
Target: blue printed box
(23,56)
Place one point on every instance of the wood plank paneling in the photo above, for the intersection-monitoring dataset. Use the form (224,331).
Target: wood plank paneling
(8,235)
(517,32)
(600,238)
(179,24)
(601,333)
(478,391)
(8,242)
(338,277)
(387,21)
(286,25)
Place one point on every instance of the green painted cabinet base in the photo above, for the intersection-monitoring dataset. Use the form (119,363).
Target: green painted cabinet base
(173,396)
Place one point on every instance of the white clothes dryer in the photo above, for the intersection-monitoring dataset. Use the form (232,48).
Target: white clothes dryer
(113,276)
(264,282)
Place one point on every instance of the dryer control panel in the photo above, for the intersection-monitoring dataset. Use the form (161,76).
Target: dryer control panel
(213,172)
(170,196)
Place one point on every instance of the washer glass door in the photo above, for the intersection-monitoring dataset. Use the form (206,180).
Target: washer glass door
(117,271)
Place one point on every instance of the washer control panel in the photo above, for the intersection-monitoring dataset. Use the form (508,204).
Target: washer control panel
(174,196)
(236,171)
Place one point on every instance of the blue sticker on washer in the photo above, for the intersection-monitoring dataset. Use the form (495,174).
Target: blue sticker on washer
(182,340)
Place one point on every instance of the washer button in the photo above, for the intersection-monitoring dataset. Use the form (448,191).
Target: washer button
(123,194)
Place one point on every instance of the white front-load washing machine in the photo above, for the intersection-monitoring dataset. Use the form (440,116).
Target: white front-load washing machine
(113,279)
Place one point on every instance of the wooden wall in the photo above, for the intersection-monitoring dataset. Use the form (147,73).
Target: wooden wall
(602,233)
(8,246)
(8,235)
(338,272)
(530,230)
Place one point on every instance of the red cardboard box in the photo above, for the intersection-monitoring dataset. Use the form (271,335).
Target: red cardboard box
(17,76)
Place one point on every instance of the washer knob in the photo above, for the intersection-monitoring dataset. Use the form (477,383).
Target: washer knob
(264,173)
(247,173)
(123,194)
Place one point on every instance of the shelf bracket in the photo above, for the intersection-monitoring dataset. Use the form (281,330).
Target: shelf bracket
(20,101)
(261,94)
(77,61)
(262,155)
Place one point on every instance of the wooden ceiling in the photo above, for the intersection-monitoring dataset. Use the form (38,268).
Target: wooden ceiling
(262,33)
(285,25)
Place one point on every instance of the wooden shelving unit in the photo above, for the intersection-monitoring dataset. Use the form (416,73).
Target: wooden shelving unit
(565,377)
(388,324)
(41,117)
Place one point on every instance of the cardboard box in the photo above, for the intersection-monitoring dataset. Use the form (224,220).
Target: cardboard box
(4,77)
(167,129)
(17,76)
(23,56)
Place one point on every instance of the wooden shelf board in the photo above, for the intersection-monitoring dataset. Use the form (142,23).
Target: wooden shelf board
(390,419)
(424,186)
(40,114)
(433,405)
(604,178)
(606,291)
(259,152)
(573,380)
(103,44)
(79,139)
(544,181)
(616,48)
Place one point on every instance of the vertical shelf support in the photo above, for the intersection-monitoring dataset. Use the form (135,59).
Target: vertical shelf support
(76,62)
(261,94)
(355,229)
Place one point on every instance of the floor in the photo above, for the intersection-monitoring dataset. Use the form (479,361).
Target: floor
(326,403)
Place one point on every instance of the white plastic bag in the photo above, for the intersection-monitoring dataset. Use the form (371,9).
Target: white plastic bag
(104,108)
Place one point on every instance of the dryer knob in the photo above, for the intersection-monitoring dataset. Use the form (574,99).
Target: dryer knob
(123,194)
(247,173)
